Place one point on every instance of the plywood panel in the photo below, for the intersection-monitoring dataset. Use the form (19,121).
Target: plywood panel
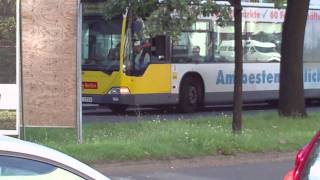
(49,62)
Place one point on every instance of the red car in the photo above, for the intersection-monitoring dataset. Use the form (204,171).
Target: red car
(307,165)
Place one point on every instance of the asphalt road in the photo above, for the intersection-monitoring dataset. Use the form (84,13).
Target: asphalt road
(246,167)
(259,171)
(97,114)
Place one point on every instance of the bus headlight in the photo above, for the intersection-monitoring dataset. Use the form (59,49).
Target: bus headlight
(119,90)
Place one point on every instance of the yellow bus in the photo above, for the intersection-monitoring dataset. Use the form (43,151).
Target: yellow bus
(123,67)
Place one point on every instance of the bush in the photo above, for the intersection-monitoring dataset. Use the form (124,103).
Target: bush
(7,31)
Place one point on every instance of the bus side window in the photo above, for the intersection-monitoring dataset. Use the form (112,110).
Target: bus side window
(181,49)
(158,49)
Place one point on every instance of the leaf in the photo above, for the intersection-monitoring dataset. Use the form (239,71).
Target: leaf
(167,17)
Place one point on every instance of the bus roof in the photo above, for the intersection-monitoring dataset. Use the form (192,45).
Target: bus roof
(314,4)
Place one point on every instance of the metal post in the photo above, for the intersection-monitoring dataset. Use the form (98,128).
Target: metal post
(22,135)
(79,74)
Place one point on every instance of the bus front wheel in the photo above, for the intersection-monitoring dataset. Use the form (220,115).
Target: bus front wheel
(191,95)
(117,109)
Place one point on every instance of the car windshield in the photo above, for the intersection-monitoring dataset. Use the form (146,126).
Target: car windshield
(101,43)
(265,49)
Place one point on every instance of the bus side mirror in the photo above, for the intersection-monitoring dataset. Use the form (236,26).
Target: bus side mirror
(161,58)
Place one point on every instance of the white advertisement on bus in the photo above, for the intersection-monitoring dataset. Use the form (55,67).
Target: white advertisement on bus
(271,14)
(256,76)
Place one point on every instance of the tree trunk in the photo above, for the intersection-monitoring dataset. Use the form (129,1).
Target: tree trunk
(291,95)
(237,96)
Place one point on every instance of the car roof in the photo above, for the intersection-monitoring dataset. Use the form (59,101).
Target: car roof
(16,146)
(260,44)
(249,42)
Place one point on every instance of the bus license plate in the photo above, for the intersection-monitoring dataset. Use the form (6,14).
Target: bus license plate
(87,99)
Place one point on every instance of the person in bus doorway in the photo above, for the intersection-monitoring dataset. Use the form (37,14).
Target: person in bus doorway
(196,55)
(141,57)
(114,53)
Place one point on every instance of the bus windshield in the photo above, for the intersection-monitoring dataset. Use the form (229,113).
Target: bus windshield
(101,43)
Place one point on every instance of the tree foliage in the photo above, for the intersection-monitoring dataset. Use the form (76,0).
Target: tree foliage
(7,21)
(167,17)
(7,28)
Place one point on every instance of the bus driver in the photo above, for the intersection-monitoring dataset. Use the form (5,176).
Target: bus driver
(141,57)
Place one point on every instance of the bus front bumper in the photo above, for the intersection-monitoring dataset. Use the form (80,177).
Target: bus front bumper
(108,99)
(131,100)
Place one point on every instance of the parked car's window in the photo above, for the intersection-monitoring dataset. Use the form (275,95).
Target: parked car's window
(25,169)
(265,49)
(312,168)
(261,42)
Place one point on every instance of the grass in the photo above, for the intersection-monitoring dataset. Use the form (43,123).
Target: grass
(7,120)
(179,139)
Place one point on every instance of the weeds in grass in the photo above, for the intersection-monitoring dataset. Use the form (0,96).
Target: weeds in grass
(159,139)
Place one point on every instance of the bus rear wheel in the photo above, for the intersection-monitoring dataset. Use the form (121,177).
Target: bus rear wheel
(118,109)
(191,95)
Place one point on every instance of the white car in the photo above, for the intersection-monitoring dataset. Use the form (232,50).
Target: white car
(25,161)
(254,51)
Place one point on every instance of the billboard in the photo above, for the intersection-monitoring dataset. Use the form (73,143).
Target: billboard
(49,65)
(9,67)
